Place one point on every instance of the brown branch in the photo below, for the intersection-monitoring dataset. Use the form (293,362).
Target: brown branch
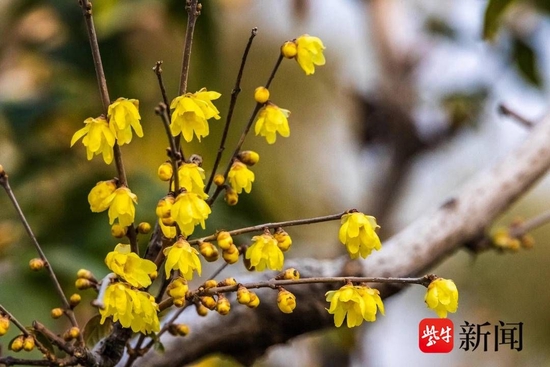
(506,111)
(420,246)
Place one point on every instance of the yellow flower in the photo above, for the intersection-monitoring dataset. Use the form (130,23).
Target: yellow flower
(133,309)
(272,120)
(188,211)
(129,266)
(191,112)
(177,288)
(122,206)
(346,301)
(98,138)
(309,53)
(191,177)
(181,256)
(372,300)
(123,115)
(357,233)
(442,296)
(99,194)
(286,301)
(264,252)
(240,177)
(167,231)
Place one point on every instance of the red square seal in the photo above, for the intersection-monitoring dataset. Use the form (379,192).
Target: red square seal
(436,335)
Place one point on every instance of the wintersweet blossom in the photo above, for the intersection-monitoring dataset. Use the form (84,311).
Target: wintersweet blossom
(97,138)
(358,234)
(240,177)
(355,303)
(123,115)
(191,112)
(442,296)
(272,120)
(191,177)
(181,256)
(97,198)
(188,210)
(286,301)
(309,53)
(122,207)
(264,253)
(129,266)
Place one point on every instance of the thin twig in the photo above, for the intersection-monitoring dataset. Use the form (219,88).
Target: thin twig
(508,112)
(62,344)
(275,68)
(261,227)
(518,230)
(68,311)
(25,332)
(234,94)
(12,361)
(162,111)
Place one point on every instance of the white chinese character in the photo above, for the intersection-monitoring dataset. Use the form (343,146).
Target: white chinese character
(431,334)
(445,334)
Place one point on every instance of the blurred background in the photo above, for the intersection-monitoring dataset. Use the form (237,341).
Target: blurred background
(404,112)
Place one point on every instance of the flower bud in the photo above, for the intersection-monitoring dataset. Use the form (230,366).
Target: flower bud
(283,239)
(164,207)
(56,313)
(209,251)
(231,256)
(36,264)
(231,197)
(208,302)
(225,241)
(85,274)
(118,231)
(74,332)
(201,310)
(28,343)
(219,180)
(4,325)
(181,329)
(291,274)
(210,283)
(177,288)
(261,95)
(243,295)
(179,302)
(144,228)
(75,299)
(223,306)
(248,157)
(82,284)
(286,301)
(227,282)
(153,275)
(165,171)
(289,49)
(254,300)
(17,343)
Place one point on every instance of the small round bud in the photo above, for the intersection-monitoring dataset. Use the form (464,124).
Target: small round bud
(74,332)
(289,49)
(178,288)
(231,256)
(208,302)
(28,344)
(181,329)
(228,282)
(75,299)
(118,231)
(209,251)
(254,300)
(144,228)
(210,283)
(219,180)
(164,207)
(283,239)
(249,157)
(201,310)
(179,302)
(85,274)
(17,343)
(225,241)
(286,301)
(4,325)
(231,197)
(170,222)
(36,264)
(243,296)
(261,95)
(291,274)
(82,284)
(223,306)
(165,171)
(56,313)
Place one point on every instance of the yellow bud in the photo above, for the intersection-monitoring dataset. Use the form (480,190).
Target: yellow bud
(201,310)
(177,288)
(36,264)
(28,343)
(243,296)
(289,50)
(17,343)
(286,301)
(210,283)
(118,231)
(179,302)
(208,302)
(164,207)
(154,275)
(223,306)
(228,282)
(249,157)
(75,299)
(219,180)
(56,313)
(85,274)
(291,274)
(261,95)
(165,171)
(209,251)
(254,300)
(225,241)
(231,197)
(4,325)
(170,222)
(283,239)
(182,329)
(230,256)
(144,228)
(83,284)
(74,332)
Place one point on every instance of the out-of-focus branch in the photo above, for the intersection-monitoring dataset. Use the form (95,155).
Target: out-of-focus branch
(245,334)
